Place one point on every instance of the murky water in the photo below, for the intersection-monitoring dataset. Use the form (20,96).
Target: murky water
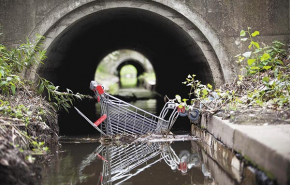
(157,163)
(83,160)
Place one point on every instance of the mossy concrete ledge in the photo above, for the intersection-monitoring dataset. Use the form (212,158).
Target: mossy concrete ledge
(266,146)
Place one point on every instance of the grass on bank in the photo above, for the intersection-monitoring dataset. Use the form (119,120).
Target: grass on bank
(265,82)
(22,108)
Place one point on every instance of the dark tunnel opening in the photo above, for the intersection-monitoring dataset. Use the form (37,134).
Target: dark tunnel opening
(74,56)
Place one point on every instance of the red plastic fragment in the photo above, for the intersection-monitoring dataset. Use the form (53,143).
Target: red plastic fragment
(101,157)
(183,167)
(182,110)
(100,120)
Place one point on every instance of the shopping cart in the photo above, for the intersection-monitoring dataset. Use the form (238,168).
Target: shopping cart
(118,117)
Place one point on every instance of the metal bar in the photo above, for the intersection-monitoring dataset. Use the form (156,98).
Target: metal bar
(90,121)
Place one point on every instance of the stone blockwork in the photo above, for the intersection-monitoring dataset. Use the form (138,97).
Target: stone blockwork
(218,21)
(222,163)
(264,146)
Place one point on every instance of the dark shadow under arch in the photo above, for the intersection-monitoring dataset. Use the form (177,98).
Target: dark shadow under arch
(74,55)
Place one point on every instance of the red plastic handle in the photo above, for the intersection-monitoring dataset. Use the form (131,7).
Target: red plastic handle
(100,120)
(100,90)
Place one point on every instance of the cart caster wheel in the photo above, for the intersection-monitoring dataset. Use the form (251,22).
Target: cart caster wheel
(193,115)
(183,114)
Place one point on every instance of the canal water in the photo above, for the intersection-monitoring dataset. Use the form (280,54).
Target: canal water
(83,160)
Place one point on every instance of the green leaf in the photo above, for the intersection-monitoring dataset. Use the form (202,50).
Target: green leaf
(256,44)
(250,46)
(267,67)
(209,86)
(255,67)
(265,56)
(242,33)
(2,73)
(280,62)
(244,39)
(251,61)
(13,88)
(178,98)
(255,33)
(45,148)
(49,95)
(41,88)
(66,109)
(266,79)
(3,83)
(204,92)
(184,99)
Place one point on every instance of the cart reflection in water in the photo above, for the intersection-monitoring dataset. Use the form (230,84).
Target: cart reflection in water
(120,163)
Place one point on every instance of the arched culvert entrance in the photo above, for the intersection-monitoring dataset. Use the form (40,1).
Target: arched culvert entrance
(172,50)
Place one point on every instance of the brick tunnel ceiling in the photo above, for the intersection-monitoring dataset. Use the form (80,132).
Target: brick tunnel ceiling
(81,46)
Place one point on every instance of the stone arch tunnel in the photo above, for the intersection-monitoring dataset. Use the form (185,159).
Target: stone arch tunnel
(77,51)
(177,39)
(171,50)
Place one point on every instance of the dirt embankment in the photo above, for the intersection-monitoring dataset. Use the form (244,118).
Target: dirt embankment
(28,128)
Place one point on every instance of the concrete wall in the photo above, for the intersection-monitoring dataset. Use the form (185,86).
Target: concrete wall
(220,21)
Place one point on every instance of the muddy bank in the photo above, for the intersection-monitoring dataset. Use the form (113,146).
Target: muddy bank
(28,128)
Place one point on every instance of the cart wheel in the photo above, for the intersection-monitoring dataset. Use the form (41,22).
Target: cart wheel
(193,114)
(183,114)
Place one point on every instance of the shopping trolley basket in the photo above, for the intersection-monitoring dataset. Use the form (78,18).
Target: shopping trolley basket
(119,117)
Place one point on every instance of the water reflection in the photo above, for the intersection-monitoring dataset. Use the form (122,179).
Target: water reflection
(83,161)
(123,163)
(142,163)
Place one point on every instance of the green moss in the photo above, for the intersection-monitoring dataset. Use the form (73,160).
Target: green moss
(268,173)
(247,158)
(288,176)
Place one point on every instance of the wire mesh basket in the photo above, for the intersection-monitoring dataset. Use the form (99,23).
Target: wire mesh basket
(122,163)
(126,162)
(120,117)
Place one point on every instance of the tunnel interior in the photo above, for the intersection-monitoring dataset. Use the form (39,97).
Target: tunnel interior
(140,69)
(74,55)
(136,64)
